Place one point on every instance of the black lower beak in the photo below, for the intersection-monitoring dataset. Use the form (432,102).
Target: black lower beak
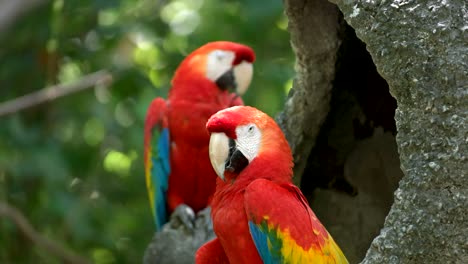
(227,81)
(236,161)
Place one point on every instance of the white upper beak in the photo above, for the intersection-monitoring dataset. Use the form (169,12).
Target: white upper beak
(219,151)
(243,73)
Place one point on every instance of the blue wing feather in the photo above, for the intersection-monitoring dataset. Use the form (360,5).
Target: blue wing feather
(267,242)
(160,176)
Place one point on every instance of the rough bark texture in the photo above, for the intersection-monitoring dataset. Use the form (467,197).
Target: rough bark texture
(175,243)
(420,48)
(354,168)
(312,24)
(339,122)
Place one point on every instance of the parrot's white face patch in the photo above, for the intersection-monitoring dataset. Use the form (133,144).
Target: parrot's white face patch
(248,140)
(223,155)
(219,62)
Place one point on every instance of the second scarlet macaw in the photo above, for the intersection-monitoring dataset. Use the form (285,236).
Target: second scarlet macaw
(259,216)
(177,167)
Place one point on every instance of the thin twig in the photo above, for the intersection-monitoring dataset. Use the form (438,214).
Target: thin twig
(26,228)
(50,93)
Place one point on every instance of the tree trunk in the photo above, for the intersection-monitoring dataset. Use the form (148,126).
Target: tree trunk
(312,24)
(419,48)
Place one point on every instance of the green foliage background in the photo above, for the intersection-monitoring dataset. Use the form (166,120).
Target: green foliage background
(74,166)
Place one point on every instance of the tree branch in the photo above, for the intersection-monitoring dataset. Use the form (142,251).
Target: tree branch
(11,11)
(26,228)
(54,92)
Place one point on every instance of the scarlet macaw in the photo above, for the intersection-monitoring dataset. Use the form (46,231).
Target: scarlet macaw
(179,176)
(258,215)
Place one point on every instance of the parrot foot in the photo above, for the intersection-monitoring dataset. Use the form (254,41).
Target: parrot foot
(204,227)
(183,215)
(204,219)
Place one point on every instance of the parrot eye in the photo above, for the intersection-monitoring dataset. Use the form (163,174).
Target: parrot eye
(219,62)
(249,130)
(220,55)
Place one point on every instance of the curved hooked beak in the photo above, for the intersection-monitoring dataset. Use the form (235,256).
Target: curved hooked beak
(225,156)
(237,79)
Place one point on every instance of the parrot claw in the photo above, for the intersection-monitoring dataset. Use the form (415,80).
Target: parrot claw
(183,215)
(204,226)
(204,219)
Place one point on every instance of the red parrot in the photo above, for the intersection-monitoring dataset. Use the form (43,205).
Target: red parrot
(258,215)
(177,166)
